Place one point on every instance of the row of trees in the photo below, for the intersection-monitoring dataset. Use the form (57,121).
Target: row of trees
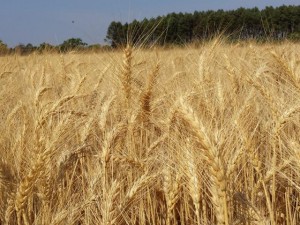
(68,45)
(180,28)
(270,23)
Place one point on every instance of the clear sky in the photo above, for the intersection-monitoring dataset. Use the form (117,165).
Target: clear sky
(37,21)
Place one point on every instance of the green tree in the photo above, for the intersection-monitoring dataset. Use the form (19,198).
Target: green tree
(116,34)
(20,49)
(177,28)
(29,48)
(185,27)
(295,36)
(72,44)
(45,47)
(3,48)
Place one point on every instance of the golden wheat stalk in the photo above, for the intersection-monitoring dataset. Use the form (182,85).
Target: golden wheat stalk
(110,203)
(26,185)
(210,155)
(171,189)
(126,75)
(146,96)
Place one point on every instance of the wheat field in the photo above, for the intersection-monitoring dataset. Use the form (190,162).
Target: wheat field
(194,135)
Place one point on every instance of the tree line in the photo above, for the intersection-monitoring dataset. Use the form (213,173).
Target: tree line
(270,23)
(72,44)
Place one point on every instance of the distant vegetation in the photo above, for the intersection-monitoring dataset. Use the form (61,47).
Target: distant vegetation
(72,44)
(269,24)
(181,28)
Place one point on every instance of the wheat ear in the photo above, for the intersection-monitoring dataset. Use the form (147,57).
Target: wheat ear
(109,205)
(147,95)
(264,92)
(286,69)
(26,185)
(210,155)
(126,76)
(171,189)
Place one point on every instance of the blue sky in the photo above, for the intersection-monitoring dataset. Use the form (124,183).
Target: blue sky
(37,21)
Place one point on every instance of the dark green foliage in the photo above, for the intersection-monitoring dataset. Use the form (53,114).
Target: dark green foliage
(24,49)
(180,28)
(46,47)
(116,33)
(72,44)
(3,48)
